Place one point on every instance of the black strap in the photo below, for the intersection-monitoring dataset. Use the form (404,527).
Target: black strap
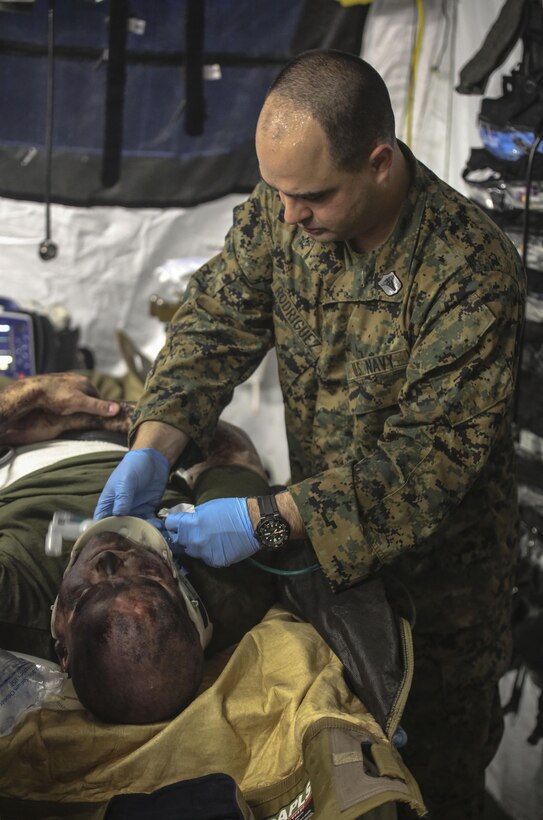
(512,704)
(267,505)
(47,249)
(498,44)
(116,79)
(194,68)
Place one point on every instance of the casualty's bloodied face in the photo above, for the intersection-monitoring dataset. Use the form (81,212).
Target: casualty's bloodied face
(112,572)
(122,627)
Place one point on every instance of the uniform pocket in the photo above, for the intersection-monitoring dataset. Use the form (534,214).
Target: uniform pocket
(465,365)
(373,387)
(374,383)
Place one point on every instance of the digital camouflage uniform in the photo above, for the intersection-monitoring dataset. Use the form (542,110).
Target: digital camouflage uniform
(397,369)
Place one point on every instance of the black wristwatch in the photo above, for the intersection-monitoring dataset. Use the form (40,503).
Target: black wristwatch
(272,531)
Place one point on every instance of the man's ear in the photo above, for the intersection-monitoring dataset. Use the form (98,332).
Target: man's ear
(62,655)
(381,160)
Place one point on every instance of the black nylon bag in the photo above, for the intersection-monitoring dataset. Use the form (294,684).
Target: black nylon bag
(358,624)
(212,797)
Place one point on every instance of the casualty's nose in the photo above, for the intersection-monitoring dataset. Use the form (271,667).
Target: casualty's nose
(108,562)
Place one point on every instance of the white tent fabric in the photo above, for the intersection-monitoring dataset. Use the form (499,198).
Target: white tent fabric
(106,267)
(515,776)
(442,126)
(109,262)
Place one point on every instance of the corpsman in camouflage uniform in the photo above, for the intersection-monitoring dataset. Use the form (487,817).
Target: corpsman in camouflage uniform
(395,307)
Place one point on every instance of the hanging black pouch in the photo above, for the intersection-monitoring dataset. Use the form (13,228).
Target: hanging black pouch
(359,624)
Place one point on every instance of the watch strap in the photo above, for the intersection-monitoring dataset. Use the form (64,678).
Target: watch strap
(267,505)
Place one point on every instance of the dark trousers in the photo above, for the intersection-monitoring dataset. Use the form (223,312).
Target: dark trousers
(454,722)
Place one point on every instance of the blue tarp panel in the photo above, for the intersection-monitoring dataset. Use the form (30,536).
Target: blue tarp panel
(140,117)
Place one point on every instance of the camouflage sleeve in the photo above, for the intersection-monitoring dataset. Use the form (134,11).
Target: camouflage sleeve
(452,408)
(220,333)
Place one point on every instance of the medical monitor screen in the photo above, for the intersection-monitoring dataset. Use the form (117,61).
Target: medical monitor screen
(16,345)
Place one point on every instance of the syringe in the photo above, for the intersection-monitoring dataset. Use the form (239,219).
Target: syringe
(64,525)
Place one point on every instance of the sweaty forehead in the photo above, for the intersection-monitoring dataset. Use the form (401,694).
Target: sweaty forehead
(280,119)
(296,158)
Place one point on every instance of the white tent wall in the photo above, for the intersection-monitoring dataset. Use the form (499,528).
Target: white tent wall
(106,269)
(438,124)
(515,776)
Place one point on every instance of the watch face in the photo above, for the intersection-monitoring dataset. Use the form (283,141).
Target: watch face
(272,531)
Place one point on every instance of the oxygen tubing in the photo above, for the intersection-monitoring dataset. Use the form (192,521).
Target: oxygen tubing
(274,571)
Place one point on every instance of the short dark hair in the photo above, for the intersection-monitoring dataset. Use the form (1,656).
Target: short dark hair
(346,96)
(139,667)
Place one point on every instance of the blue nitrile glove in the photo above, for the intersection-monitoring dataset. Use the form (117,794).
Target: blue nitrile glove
(218,532)
(136,485)
(399,738)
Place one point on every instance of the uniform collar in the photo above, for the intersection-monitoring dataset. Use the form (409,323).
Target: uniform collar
(382,274)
